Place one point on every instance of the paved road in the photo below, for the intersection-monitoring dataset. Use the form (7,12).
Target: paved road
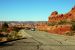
(24,44)
(39,40)
(52,41)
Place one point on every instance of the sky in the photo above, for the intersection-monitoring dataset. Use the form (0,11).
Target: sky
(32,10)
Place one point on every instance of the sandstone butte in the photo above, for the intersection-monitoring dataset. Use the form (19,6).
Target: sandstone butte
(55,17)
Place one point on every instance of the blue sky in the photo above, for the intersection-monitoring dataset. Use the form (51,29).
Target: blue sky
(32,10)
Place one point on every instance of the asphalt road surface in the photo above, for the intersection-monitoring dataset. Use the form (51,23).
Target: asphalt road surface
(53,41)
(39,40)
(24,44)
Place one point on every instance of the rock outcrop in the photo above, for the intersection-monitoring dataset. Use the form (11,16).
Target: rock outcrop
(57,17)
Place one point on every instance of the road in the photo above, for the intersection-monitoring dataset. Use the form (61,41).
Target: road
(53,41)
(39,40)
(24,44)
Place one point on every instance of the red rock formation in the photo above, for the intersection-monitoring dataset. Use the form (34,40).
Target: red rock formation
(54,13)
(57,17)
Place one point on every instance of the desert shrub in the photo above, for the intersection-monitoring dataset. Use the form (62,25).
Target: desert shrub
(73,26)
(12,35)
(62,22)
(16,29)
(51,24)
(5,26)
(69,33)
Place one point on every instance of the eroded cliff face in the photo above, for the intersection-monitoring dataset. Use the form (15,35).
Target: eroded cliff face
(57,17)
(61,28)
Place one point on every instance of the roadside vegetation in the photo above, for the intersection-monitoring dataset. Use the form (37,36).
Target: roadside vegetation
(8,33)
